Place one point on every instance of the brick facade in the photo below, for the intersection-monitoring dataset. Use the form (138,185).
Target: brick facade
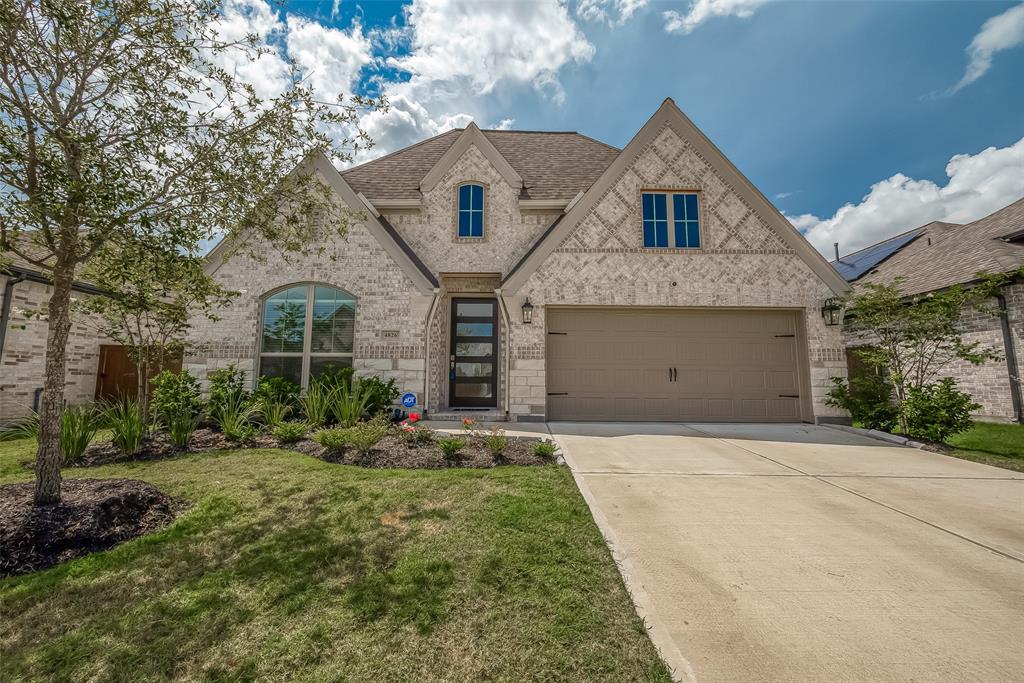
(989,383)
(24,357)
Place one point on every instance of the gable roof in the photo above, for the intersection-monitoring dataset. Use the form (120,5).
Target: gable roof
(472,136)
(382,231)
(947,254)
(669,114)
(552,165)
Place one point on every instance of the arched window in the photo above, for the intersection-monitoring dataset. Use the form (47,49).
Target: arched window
(471,210)
(306,330)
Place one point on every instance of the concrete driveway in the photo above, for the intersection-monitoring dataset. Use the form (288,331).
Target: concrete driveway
(794,552)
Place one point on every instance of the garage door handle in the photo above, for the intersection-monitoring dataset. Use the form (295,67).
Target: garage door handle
(558,393)
(789,396)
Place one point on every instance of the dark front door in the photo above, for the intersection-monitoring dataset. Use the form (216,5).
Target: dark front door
(473,364)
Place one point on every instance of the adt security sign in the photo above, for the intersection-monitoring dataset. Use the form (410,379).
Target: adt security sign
(409,399)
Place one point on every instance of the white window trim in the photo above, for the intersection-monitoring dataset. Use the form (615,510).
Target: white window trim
(307,353)
(671,218)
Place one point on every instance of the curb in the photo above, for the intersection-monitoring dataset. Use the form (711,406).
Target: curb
(879,435)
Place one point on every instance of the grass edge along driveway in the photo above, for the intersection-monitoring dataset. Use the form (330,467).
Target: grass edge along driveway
(288,568)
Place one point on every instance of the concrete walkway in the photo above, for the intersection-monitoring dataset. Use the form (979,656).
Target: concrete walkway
(793,552)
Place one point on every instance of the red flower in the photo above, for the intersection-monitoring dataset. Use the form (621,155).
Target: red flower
(467,422)
(414,417)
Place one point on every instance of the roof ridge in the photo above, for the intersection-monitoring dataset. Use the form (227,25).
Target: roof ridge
(401,149)
(897,236)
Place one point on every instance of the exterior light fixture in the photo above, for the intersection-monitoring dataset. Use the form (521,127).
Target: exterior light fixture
(832,311)
(527,311)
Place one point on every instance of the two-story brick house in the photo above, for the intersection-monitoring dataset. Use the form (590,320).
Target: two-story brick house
(536,275)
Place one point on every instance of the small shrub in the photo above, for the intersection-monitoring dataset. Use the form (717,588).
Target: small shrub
(290,432)
(365,435)
(234,418)
(379,394)
(348,404)
(451,445)
(316,402)
(334,377)
(495,440)
(868,399)
(937,411)
(272,412)
(335,439)
(177,404)
(277,390)
(180,428)
(226,384)
(78,427)
(26,428)
(545,449)
(414,436)
(127,423)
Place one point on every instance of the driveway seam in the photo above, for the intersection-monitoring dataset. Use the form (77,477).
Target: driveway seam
(997,551)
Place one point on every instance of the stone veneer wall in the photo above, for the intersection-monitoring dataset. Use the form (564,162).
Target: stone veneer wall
(989,383)
(385,300)
(24,356)
(742,262)
(508,232)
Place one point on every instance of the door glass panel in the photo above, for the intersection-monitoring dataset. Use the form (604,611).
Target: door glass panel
(474,390)
(474,329)
(474,369)
(481,310)
(473,349)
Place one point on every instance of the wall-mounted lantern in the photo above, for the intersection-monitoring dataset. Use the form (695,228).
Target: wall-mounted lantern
(527,311)
(832,311)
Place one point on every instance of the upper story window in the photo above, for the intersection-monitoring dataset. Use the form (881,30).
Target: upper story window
(306,330)
(676,209)
(471,210)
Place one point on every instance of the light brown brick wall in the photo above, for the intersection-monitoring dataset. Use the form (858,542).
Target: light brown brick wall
(24,356)
(742,263)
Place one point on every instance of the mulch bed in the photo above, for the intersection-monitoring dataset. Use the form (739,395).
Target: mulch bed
(391,452)
(94,515)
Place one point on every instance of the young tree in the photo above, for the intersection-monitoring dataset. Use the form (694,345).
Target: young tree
(119,124)
(158,292)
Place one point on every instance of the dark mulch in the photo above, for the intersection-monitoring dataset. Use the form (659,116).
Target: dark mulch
(158,447)
(393,452)
(94,514)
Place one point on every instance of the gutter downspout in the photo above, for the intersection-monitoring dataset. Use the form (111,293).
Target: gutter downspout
(508,350)
(1011,359)
(426,351)
(5,312)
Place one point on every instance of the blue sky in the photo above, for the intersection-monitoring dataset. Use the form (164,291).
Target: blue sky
(823,105)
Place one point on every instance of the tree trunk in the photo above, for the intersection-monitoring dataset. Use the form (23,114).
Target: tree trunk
(49,456)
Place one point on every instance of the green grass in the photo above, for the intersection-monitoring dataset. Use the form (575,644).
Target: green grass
(289,568)
(1001,445)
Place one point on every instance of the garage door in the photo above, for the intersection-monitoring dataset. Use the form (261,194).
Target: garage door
(672,365)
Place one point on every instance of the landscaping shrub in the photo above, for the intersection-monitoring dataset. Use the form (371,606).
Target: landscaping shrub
(937,411)
(225,384)
(127,422)
(277,390)
(316,402)
(451,445)
(233,416)
(334,377)
(335,439)
(868,399)
(495,440)
(177,404)
(26,428)
(78,427)
(180,428)
(545,449)
(365,435)
(349,404)
(290,432)
(415,436)
(272,412)
(379,394)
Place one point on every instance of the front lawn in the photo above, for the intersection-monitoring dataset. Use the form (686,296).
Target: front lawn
(1001,445)
(287,567)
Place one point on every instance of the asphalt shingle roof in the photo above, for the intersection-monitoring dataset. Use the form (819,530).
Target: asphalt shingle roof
(946,254)
(553,165)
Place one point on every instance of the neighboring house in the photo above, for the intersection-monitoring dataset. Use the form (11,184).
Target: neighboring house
(940,255)
(533,275)
(23,297)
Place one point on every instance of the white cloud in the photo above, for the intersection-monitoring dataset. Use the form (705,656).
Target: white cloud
(269,74)
(700,11)
(330,58)
(602,10)
(504,124)
(1001,32)
(978,185)
(783,195)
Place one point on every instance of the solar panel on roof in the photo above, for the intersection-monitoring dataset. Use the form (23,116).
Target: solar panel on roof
(856,265)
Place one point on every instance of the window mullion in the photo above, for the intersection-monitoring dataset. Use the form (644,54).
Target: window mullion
(670,212)
(307,345)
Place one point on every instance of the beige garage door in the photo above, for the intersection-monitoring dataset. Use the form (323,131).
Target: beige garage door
(672,365)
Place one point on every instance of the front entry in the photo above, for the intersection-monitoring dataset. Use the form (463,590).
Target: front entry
(473,362)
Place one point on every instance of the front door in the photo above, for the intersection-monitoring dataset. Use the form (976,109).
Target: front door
(473,363)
